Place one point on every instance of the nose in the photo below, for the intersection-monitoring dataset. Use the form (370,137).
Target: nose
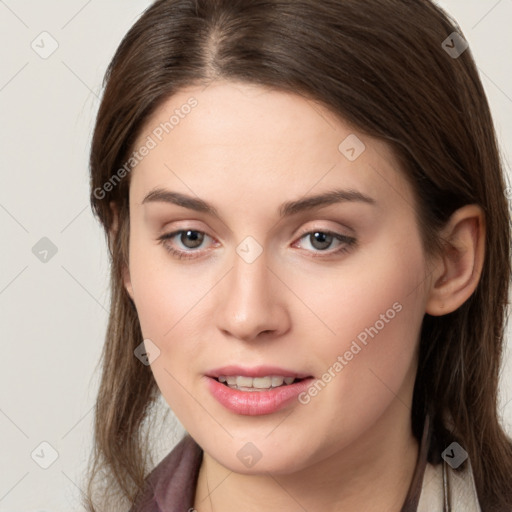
(251,303)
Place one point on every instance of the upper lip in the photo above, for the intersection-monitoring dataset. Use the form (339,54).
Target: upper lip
(255,371)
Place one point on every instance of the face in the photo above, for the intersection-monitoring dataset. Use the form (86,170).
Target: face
(236,271)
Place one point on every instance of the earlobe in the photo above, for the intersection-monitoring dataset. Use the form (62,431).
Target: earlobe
(127,281)
(460,264)
(112,232)
(112,236)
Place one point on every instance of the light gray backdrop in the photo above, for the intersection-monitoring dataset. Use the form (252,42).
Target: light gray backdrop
(53,260)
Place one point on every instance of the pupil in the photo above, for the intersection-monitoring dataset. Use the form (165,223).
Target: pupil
(196,237)
(321,238)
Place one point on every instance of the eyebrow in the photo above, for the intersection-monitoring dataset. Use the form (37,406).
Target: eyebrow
(286,209)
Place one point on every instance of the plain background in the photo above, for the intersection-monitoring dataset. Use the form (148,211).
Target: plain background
(54,313)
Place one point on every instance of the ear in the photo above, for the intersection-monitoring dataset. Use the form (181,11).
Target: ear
(112,235)
(459,266)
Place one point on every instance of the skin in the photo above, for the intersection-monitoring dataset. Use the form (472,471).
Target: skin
(246,150)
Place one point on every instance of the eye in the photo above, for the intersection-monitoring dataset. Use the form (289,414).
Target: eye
(189,238)
(322,240)
(192,239)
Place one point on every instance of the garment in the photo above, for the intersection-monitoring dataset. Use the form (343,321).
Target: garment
(171,486)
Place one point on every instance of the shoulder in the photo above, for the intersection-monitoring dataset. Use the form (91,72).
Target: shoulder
(448,482)
(445,488)
(173,481)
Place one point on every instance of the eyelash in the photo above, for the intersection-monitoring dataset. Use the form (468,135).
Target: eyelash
(349,243)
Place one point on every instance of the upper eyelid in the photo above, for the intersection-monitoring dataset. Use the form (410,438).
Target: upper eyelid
(171,234)
(188,227)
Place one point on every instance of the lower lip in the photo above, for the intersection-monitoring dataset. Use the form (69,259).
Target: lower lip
(255,403)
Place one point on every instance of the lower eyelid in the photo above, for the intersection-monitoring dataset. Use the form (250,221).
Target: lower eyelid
(346,241)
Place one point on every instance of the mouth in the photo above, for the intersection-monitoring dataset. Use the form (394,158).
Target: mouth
(266,383)
(257,390)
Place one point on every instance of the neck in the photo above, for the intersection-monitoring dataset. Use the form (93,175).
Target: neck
(372,474)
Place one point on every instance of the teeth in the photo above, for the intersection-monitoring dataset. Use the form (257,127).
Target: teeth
(277,381)
(245,382)
(253,384)
(258,382)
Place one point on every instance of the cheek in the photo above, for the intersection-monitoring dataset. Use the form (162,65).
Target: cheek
(167,306)
(165,291)
(375,310)
(170,298)
(378,288)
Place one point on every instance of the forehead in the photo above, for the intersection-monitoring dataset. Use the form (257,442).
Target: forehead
(236,138)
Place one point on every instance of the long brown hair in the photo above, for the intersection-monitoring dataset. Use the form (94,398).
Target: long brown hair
(380,65)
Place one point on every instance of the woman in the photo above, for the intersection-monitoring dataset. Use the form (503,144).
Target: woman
(305,209)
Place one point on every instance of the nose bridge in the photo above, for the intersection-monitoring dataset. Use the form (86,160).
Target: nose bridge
(250,302)
(249,287)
